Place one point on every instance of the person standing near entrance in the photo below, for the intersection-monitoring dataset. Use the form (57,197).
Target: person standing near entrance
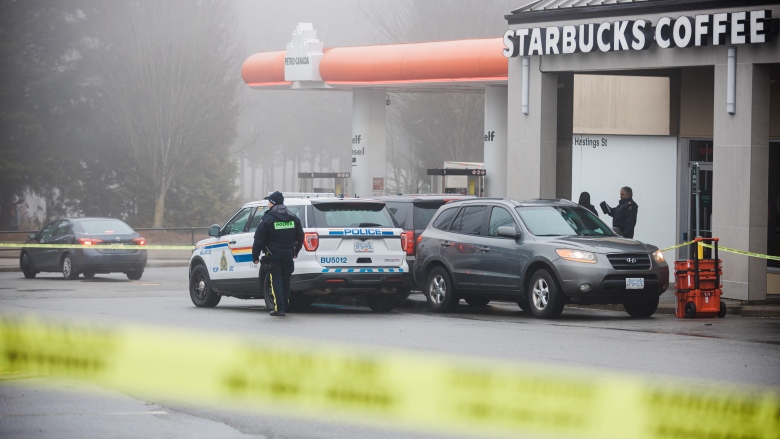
(585,202)
(280,236)
(624,215)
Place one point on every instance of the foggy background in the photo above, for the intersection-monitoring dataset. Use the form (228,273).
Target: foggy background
(137,109)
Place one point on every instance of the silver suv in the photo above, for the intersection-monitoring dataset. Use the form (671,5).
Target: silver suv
(352,247)
(541,254)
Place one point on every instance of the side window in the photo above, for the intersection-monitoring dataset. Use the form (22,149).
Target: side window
(257,218)
(443,221)
(63,229)
(48,231)
(238,222)
(499,217)
(469,220)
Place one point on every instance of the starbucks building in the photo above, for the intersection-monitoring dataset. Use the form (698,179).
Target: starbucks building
(589,95)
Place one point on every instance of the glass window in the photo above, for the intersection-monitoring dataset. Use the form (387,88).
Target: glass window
(48,231)
(423,212)
(469,220)
(238,222)
(63,229)
(295,210)
(443,221)
(399,211)
(562,221)
(352,215)
(500,217)
(105,227)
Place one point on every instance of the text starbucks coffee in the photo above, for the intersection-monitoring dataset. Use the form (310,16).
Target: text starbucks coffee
(746,27)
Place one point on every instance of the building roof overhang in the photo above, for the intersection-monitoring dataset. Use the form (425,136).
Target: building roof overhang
(570,10)
(431,66)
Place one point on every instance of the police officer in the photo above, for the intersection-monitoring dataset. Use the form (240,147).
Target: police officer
(624,215)
(280,236)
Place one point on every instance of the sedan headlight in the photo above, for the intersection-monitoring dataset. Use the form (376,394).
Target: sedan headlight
(576,255)
(658,256)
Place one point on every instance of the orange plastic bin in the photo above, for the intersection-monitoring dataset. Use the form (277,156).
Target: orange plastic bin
(697,284)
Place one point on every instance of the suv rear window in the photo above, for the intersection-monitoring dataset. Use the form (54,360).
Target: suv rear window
(352,215)
(295,210)
(400,211)
(423,212)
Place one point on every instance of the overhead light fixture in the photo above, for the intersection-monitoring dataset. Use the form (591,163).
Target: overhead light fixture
(731,81)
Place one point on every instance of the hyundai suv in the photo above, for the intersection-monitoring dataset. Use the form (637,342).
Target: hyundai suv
(413,213)
(352,247)
(542,254)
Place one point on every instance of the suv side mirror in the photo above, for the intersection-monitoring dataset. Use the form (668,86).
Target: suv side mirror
(618,231)
(508,232)
(214,230)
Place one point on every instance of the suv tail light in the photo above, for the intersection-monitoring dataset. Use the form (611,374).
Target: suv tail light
(139,241)
(89,241)
(311,240)
(407,242)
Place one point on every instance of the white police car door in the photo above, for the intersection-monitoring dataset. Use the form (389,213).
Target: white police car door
(358,238)
(232,254)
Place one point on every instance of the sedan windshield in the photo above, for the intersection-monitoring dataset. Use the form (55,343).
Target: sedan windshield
(562,221)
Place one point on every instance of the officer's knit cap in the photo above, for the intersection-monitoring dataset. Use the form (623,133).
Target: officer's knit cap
(276,198)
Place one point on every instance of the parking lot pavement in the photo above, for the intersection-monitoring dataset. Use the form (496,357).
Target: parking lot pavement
(9,262)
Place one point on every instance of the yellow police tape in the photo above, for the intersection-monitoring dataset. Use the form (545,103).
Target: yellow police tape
(677,246)
(742,252)
(388,388)
(101,246)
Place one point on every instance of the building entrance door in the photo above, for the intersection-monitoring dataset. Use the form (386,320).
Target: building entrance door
(699,151)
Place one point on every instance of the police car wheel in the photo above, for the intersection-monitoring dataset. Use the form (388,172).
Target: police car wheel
(269,301)
(200,288)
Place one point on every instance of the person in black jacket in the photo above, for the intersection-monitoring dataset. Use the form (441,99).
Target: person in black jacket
(585,202)
(624,215)
(280,236)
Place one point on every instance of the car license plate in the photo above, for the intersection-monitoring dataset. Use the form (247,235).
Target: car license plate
(364,246)
(635,283)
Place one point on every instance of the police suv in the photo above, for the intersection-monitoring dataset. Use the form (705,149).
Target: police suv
(352,247)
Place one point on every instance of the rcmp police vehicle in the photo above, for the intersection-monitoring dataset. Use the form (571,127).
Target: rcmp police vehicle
(352,247)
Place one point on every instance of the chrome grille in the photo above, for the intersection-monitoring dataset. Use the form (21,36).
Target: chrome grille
(629,261)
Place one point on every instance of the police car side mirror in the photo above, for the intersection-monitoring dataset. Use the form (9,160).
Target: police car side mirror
(214,230)
(32,235)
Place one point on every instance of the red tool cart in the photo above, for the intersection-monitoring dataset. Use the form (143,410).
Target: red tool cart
(698,285)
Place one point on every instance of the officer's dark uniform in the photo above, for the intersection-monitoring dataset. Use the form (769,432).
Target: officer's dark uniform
(624,216)
(280,236)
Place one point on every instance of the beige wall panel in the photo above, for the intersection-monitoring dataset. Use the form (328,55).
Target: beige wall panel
(631,105)
(696,99)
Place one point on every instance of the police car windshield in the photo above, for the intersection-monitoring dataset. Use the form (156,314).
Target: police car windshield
(562,221)
(352,215)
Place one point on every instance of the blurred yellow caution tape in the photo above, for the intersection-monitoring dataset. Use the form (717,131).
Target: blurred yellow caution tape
(742,252)
(99,247)
(390,388)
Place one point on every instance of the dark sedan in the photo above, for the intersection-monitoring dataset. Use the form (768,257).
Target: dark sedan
(97,233)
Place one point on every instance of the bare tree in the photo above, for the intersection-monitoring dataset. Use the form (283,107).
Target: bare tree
(168,73)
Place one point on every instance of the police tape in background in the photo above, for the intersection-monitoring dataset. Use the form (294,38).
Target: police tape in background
(99,247)
(677,246)
(388,388)
(742,252)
